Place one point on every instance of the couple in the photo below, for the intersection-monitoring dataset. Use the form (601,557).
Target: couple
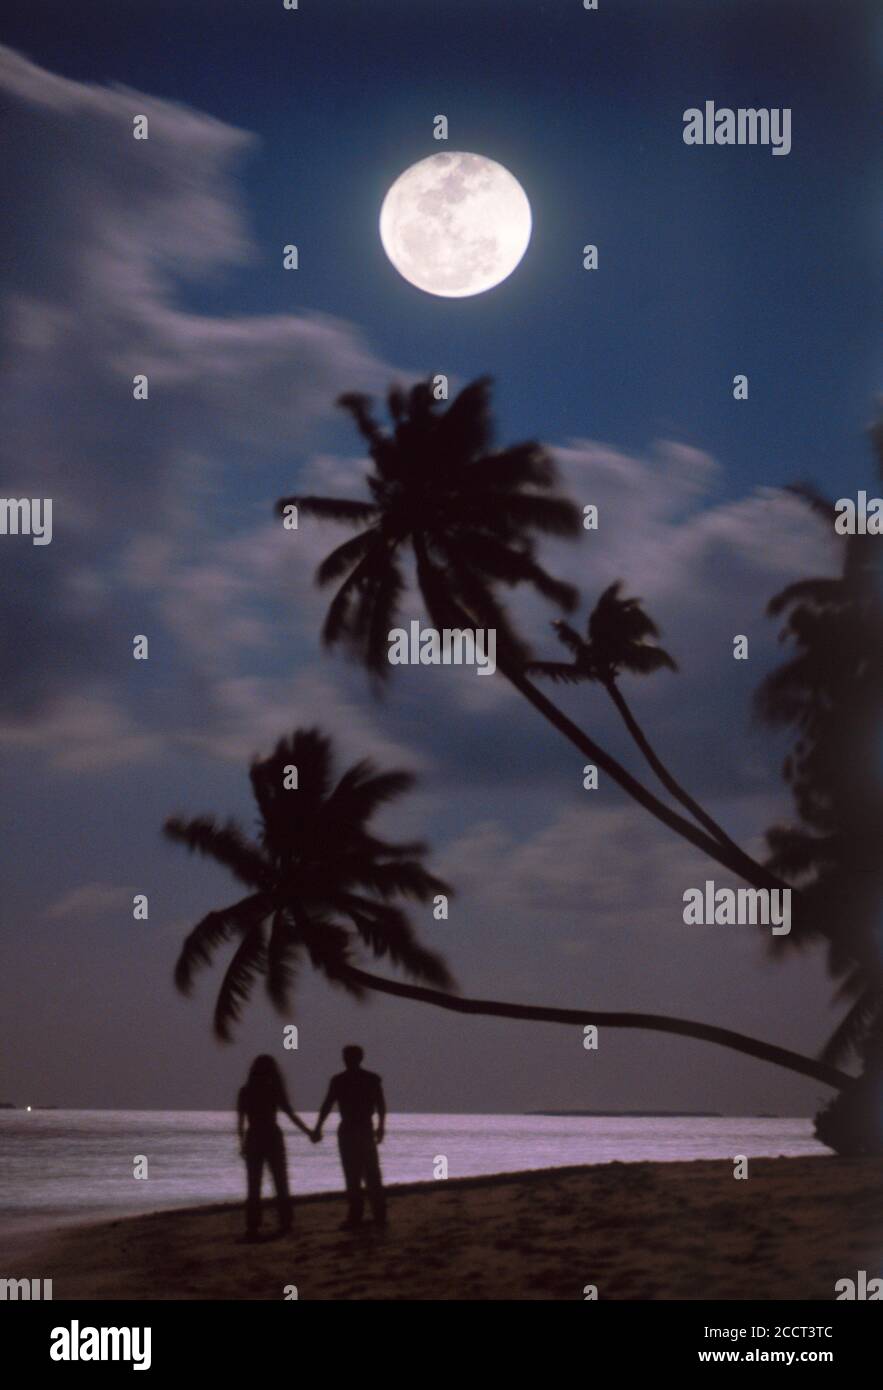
(357,1094)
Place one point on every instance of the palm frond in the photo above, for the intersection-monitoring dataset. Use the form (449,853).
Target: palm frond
(530,511)
(358,405)
(465,429)
(564,672)
(847,1038)
(213,931)
(362,790)
(248,963)
(521,465)
(282,953)
(387,932)
(346,556)
(227,843)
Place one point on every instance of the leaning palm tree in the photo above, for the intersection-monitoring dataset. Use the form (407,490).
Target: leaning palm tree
(320,880)
(322,884)
(829,692)
(620,636)
(470,514)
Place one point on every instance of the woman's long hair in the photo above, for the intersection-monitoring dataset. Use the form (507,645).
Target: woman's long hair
(265,1081)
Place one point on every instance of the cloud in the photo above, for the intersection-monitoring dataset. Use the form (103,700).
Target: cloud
(665,532)
(86,731)
(247,714)
(99,233)
(91,900)
(582,866)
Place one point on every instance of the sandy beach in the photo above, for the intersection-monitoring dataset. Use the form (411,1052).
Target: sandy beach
(636,1231)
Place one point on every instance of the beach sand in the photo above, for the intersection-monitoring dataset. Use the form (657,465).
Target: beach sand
(636,1231)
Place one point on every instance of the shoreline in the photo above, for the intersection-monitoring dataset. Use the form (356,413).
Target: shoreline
(679,1230)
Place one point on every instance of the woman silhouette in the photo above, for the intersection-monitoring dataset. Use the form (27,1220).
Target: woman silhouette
(259,1099)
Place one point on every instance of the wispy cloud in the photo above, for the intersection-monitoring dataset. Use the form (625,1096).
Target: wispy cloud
(91,900)
(94,257)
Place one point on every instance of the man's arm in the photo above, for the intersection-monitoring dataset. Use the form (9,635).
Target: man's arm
(380,1105)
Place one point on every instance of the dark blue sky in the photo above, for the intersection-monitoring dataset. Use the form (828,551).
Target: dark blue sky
(712,262)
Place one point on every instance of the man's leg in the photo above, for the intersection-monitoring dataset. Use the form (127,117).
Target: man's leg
(254,1167)
(349,1157)
(279,1169)
(373,1180)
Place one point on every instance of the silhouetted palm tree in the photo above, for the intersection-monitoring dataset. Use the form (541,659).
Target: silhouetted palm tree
(830,692)
(320,880)
(470,515)
(467,511)
(620,636)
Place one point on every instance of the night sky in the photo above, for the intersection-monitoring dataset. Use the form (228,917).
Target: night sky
(270,127)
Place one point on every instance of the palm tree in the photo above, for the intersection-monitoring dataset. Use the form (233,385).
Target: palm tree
(321,882)
(470,515)
(437,485)
(830,693)
(620,636)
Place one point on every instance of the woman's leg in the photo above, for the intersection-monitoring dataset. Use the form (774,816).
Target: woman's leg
(254,1168)
(279,1169)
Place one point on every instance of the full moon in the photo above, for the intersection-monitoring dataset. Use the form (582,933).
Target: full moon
(455,224)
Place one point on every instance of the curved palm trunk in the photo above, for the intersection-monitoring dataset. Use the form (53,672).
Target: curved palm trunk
(727,854)
(443,610)
(662,772)
(658,1023)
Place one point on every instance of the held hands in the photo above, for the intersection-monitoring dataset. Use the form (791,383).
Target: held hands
(316,1135)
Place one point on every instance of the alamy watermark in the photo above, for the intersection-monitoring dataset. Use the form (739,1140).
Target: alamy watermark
(860,1288)
(746,125)
(31,1290)
(76,1343)
(764,907)
(451,646)
(864,517)
(27,516)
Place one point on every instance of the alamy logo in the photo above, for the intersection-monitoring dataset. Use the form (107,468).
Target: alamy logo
(453,646)
(77,1343)
(861,1288)
(739,907)
(863,517)
(27,517)
(31,1289)
(745,126)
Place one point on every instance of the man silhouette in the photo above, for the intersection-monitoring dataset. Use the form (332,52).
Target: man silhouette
(357,1094)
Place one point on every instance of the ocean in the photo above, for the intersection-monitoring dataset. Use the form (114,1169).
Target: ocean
(63,1166)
